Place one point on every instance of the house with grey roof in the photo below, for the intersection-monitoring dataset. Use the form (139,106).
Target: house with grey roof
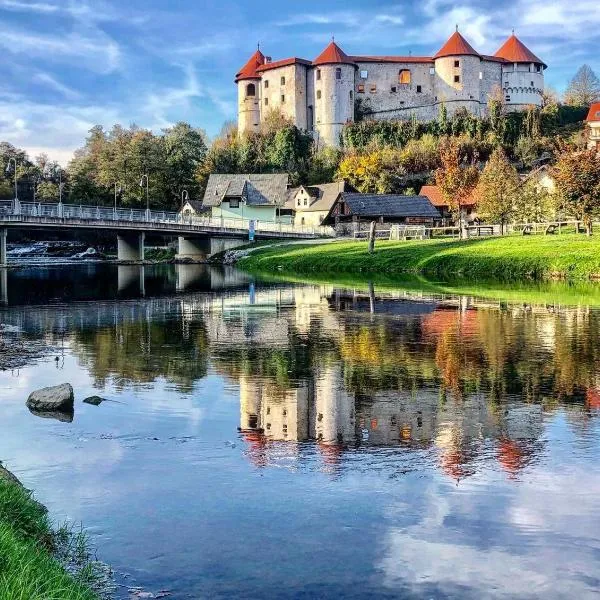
(249,196)
(311,204)
(382,208)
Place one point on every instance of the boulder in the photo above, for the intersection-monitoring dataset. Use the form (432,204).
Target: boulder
(94,400)
(58,398)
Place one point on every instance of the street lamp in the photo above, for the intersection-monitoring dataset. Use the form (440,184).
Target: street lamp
(184,198)
(16,201)
(118,190)
(145,177)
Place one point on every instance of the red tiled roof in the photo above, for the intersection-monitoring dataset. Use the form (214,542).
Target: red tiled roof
(282,63)
(333,54)
(594,114)
(436,197)
(514,50)
(456,46)
(494,58)
(393,59)
(248,71)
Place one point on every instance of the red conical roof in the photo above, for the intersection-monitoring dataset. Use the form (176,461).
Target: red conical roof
(248,71)
(456,46)
(333,54)
(515,51)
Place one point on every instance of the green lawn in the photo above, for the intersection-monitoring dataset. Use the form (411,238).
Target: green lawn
(510,258)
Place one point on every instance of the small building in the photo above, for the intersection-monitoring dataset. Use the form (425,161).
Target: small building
(259,197)
(357,209)
(468,208)
(542,179)
(311,204)
(194,208)
(593,122)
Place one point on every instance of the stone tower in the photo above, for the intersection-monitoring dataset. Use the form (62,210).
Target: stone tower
(457,70)
(333,79)
(248,83)
(523,74)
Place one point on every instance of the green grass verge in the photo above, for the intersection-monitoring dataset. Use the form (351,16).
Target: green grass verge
(29,569)
(505,259)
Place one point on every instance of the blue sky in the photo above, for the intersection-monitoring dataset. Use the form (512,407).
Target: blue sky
(70,64)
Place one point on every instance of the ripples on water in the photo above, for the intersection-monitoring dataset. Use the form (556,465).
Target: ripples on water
(284,441)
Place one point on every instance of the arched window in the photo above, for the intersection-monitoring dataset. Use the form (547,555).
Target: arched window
(250,90)
(404,76)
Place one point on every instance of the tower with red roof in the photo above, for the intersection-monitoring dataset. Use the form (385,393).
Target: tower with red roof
(248,80)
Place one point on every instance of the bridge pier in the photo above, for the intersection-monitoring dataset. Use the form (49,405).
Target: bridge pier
(131,279)
(130,247)
(222,244)
(196,249)
(3,286)
(3,256)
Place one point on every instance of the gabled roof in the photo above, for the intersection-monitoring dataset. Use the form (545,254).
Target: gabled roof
(333,55)
(248,71)
(515,51)
(456,46)
(196,205)
(389,205)
(594,113)
(255,188)
(323,196)
(434,193)
(282,63)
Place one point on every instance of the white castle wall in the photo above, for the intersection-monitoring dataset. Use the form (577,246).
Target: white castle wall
(522,85)
(249,106)
(465,92)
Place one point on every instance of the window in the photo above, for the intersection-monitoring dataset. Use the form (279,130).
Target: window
(351,95)
(318,74)
(532,84)
(282,98)
(432,70)
(305,201)
(253,421)
(419,89)
(338,73)
(361,88)
(266,84)
(394,89)
(266,102)
(404,77)
(318,94)
(457,79)
(283,81)
(250,90)
(234,203)
(373,89)
(456,64)
(364,74)
(507,98)
(480,74)
(538,68)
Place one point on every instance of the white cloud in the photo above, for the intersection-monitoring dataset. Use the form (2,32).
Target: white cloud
(38,7)
(51,82)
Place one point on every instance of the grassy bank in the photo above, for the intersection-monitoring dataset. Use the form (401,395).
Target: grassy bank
(29,569)
(511,258)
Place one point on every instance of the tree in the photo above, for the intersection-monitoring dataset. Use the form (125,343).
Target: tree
(497,188)
(533,203)
(378,171)
(47,192)
(584,88)
(456,177)
(577,176)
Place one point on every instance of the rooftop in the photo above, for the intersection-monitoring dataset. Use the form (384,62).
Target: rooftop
(389,205)
(249,70)
(434,193)
(255,189)
(515,51)
(333,54)
(594,112)
(456,46)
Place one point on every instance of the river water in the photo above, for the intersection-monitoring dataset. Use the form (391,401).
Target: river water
(265,440)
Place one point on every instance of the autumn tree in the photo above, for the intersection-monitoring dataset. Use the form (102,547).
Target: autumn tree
(497,188)
(533,203)
(584,88)
(577,176)
(456,177)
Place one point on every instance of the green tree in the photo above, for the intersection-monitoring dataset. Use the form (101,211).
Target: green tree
(533,203)
(47,192)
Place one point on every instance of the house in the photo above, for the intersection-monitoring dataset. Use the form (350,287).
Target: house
(593,121)
(435,196)
(259,197)
(311,204)
(353,208)
(193,208)
(542,178)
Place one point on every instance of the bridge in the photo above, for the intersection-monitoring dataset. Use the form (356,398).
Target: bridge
(198,236)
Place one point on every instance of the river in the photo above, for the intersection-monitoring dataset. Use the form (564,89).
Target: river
(275,440)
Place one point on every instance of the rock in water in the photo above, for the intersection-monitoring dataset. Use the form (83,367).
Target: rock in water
(94,400)
(57,398)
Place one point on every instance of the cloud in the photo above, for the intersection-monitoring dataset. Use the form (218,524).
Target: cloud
(54,84)
(37,7)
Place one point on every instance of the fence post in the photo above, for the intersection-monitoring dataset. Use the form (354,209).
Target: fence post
(372,231)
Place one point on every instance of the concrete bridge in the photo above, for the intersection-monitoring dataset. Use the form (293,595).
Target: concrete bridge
(198,237)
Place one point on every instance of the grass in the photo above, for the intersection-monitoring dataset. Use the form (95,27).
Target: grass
(503,259)
(35,562)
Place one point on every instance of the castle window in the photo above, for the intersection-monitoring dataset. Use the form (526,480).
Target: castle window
(456,64)
(283,81)
(338,73)
(282,98)
(318,74)
(364,74)
(373,89)
(266,84)
(361,88)
(318,94)
(351,95)
(538,68)
(404,77)
(394,89)
(532,84)
(507,98)
(419,89)
(250,90)
(457,79)
(266,102)
(432,70)
(480,74)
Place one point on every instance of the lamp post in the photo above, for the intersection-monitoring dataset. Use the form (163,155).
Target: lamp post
(145,177)
(16,200)
(60,185)
(184,198)
(118,190)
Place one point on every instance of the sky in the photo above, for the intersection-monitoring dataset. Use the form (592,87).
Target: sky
(68,65)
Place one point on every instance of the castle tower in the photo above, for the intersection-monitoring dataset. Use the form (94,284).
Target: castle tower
(248,83)
(333,78)
(457,70)
(523,78)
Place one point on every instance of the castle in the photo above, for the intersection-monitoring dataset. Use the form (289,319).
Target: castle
(323,95)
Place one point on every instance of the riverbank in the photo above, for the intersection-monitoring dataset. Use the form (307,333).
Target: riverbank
(511,258)
(29,565)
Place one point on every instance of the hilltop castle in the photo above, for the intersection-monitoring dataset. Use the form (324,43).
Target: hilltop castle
(322,95)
